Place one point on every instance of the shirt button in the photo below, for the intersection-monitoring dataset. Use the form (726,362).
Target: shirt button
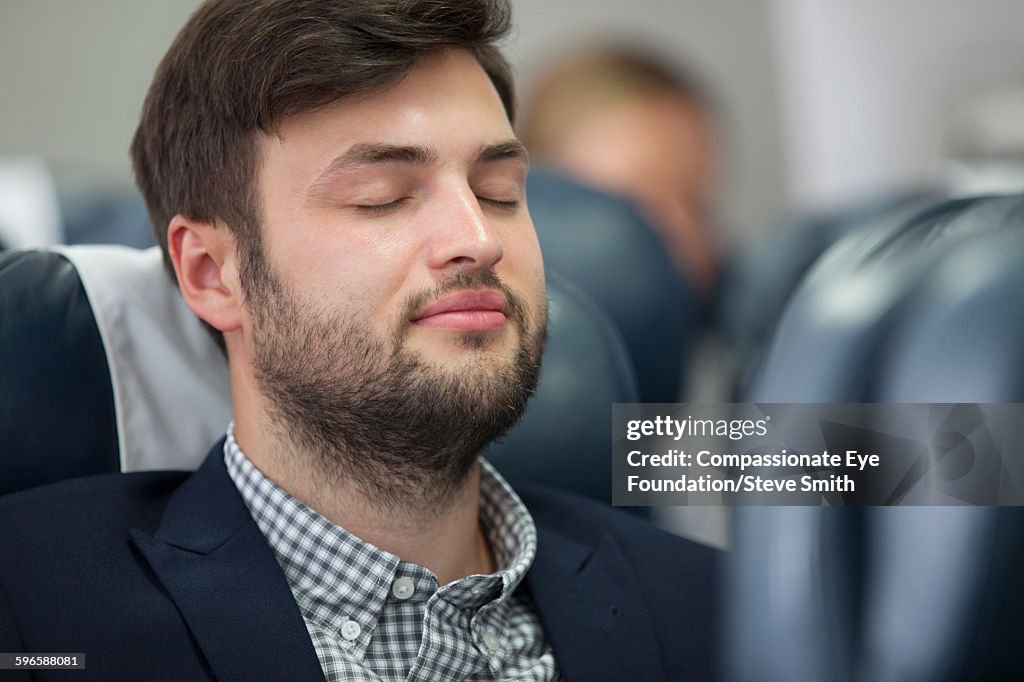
(403,588)
(350,630)
(491,641)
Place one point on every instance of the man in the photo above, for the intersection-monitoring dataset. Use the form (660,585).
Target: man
(658,143)
(339,192)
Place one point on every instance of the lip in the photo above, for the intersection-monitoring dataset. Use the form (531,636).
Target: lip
(465,311)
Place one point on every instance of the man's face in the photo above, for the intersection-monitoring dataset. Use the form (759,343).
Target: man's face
(398,322)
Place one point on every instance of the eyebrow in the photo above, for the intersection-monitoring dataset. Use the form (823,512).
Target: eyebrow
(371,153)
(509,150)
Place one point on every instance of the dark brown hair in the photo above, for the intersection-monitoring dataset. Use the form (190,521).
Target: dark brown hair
(240,67)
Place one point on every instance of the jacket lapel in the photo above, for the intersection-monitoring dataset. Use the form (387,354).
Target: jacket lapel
(592,610)
(216,565)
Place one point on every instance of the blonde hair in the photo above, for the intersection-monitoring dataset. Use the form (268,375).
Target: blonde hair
(593,80)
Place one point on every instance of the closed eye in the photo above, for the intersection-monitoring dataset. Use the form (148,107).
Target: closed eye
(507,205)
(375,209)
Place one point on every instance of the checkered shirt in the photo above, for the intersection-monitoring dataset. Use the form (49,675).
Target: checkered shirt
(372,616)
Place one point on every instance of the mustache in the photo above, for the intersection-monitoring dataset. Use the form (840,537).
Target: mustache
(476,280)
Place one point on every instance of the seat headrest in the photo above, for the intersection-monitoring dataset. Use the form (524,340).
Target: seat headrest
(962,337)
(921,310)
(603,246)
(56,404)
(111,370)
(853,300)
(170,381)
(759,280)
(30,215)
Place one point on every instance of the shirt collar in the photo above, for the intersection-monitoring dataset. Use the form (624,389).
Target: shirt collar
(345,574)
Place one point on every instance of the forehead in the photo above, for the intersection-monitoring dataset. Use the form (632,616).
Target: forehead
(446,101)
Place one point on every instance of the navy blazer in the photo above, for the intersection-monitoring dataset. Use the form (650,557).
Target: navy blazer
(165,576)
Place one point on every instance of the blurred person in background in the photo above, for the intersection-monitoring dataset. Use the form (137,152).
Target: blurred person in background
(633,126)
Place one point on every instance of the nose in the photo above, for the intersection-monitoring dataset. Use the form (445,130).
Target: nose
(463,237)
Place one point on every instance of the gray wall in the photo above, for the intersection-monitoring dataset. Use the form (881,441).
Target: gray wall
(869,87)
(73,74)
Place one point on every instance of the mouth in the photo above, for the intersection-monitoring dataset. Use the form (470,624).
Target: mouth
(465,311)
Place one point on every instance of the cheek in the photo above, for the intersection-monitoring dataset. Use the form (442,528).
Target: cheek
(525,266)
(383,266)
(359,278)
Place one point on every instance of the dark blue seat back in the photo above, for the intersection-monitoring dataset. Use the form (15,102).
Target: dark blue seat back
(854,299)
(603,246)
(56,401)
(926,309)
(92,217)
(758,281)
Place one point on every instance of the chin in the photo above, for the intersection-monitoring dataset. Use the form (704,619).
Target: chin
(453,344)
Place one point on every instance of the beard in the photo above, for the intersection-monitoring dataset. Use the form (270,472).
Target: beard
(374,413)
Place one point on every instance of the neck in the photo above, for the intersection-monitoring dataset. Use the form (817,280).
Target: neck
(441,534)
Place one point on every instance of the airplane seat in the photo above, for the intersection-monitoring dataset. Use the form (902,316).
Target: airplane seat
(924,310)
(108,357)
(759,280)
(42,205)
(961,339)
(602,245)
(850,303)
(103,216)
(106,369)
(56,404)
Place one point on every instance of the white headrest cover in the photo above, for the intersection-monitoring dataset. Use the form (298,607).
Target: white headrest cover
(172,395)
(29,209)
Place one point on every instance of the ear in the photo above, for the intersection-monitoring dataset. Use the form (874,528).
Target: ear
(204,260)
